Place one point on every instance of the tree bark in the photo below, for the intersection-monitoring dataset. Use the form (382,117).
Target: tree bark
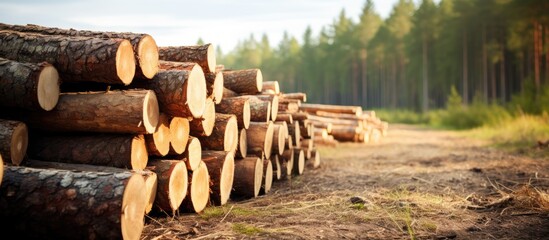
(198,193)
(248,177)
(260,111)
(14,139)
(158,143)
(286,117)
(288,106)
(66,204)
(214,81)
(31,86)
(287,162)
(247,81)
(204,55)
(204,126)
(224,136)
(297,96)
(260,138)
(76,58)
(344,133)
(221,169)
(274,104)
(172,184)
(239,106)
(271,87)
(229,93)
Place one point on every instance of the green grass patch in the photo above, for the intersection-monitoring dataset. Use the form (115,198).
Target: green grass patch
(246,229)
(213,212)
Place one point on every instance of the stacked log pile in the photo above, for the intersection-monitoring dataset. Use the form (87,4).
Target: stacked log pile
(99,129)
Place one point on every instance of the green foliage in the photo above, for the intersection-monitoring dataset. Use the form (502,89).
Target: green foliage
(246,229)
(531,101)
(402,116)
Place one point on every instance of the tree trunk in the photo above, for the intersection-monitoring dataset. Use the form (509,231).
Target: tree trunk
(274,104)
(260,138)
(179,135)
(288,106)
(502,82)
(279,138)
(242,149)
(66,205)
(484,65)
(214,82)
(537,55)
(345,133)
(31,86)
(248,176)
(239,106)
(204,126)
(297,95)
(260,111)
(192,154)
(204,55)
(300,116)
(221,169)
(144,46)
(294,132)
(286,117)
(224,136)
(271,87)
(198,193)
(14,139)
(158,143)
(247,81)
(267,179)
(180,93)
(76,58)
(172,184)
(113,150)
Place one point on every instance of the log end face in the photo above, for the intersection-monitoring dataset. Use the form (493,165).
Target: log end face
(179,133)
(218,87)
(276,161)
(268,180)
(48,87)
(19,143)
(274,108)
(208,118)
(151,112)
(281,139)
(162,135)
(200,188)
(147,53)
(134,204)
(196,92)
(212,61)
(178,184)
(301,162)
(246,114)
(151,184)
(140,156)
(227,177)
(230,138)
(243,143)
(268,145)
(194,153)
(259,80)
(125,62)
(258,179)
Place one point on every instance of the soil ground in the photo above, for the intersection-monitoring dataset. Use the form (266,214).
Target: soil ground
(414,184)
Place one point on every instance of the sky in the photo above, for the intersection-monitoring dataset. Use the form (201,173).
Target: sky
(171,23)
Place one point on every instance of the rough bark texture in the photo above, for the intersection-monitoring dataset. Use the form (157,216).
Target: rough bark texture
(345,133)
(247,81)
(286,117)
(62,204)
(221,169)
(239,106)
(114,150)
(198,193)
(260,138)
(205,125)
(14,139)
(271,86)
(132,111)
(180,93)
(213,80)
(204,55)
(179,133)
(260,111)
(248,176)
(172,184)
(107,60)
(144,45)
(32,86)
(313,108)
(298,95)
(267,177)
(224,136)
(279,138)
(158,143)
(274,104)
(300,116)
(229,93)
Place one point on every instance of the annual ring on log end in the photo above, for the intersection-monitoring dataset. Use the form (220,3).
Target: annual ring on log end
(268,145)
(200,188)
(218,87)
(258,176)
(196,91)
(212,62)
(151,112)
(125,62)
(48,88)
(147,51)
(208,122)
(246,114)
(274,108)
(134,203)
(19,143)
(194,153)
(268,176)
(227,177)
(243,143)
(230,138)
(178,184)
(140,156)
(281,139)
(179,132)
(151,185)
(301,162)
(259,80)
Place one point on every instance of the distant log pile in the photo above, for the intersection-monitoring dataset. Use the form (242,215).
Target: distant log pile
(105,127)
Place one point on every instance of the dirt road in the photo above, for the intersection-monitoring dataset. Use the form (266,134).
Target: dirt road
(414,184)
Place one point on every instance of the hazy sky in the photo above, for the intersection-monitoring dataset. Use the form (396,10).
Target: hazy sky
(220,22)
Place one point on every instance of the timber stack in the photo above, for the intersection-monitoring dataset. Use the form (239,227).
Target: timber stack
(107,127)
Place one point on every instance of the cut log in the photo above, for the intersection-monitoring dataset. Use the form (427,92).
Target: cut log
(305,129)
(314,161)
(294,131)
(131,111)
(248,176)
(286,117)
(336,121)
(151,186)
(346,116)
(345,133)
(267,181)
(144,46)
(31,86)
(289,144)
(322,125)
(158,143)
(287,162)
(277,167)
(313,108)
(224,136)
(221,169)
(274,104)
(271,86)
(192,154)
(179,135)
(247,81)
(204,55)
(107,60)
(260,111)
(204,126)
(14,139)
(181,93)
(288,106)
(198,194)
(326,142)
(299,161)
(300,116)
(228,93)
(298,95)
(242,149)
(239,106)
(279,138)
(68,204)
(113,150)
(172,184)
(307,144)
(260,138)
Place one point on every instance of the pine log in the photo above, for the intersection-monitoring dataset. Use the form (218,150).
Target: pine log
(298,95)
(221,169)
(294,131)
(307,144)
(274,104)
(31,86)
(267,181)
(345,133)
(260,111)
(336,121)
(158,143)
(172,184)
(179,135)
(248,177)
(204,55)
(271,86)
(113,150)
(288,106)
(247,81)
(242,149)
(289,144)
(224,136)
(286,117)
(227,92)
(204,126)
(239,106)
(279,138)
(181,93)
(192,154)
(277,168)
(14,139)
(144,45)
(300,116)
(131,111)
(313,108)
(287,160)
(151,186)
(72,204)
(314,161)
(76,58)
(346,116)
(260,138)
(305,129)
(299,161)
(198,193)
(326,142)
(322,125)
